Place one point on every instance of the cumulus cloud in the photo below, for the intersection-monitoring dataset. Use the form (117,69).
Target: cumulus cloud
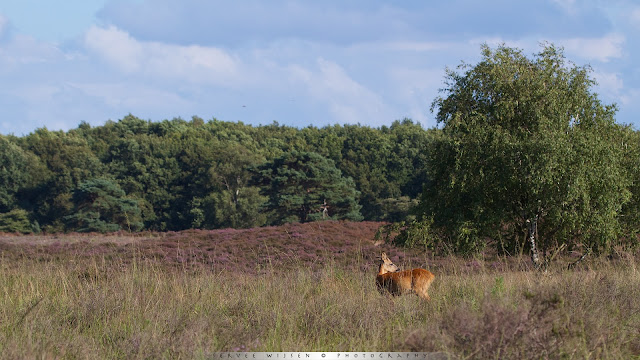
(347,100)
(298,62)
(199,64)
(634,16)
(602,49)
(233,22)
(18,49)
(115,46)
(610,84)
(23,50)
(415,89)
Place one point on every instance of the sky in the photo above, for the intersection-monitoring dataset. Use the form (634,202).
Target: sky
(299,63)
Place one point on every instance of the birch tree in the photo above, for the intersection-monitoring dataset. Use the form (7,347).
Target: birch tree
(528,155)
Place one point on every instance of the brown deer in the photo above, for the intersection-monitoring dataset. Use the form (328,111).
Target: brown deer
(397,282)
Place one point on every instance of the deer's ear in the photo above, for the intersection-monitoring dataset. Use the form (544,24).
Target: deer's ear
(384,256)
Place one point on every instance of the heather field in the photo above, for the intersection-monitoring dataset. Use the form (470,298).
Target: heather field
(300,287)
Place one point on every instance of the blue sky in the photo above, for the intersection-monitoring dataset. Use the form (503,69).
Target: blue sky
(296,62)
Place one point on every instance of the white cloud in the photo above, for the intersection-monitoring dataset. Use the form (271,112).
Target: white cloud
(629,104)
(116,46)
(22,50)
(192,59)
(414,89)
(602,49)
(566,5)
(4,24)
(634,16)
(256,21)
(198,64)
(347,100)
(610,85)
(611,82)
(136,97)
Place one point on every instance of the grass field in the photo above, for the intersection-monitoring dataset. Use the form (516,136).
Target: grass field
(299,288)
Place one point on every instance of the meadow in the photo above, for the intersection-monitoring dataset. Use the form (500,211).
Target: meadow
(300,287)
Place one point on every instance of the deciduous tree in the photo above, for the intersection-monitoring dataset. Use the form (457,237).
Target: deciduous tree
(528,152)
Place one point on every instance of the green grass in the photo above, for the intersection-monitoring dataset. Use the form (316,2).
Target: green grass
(105,308)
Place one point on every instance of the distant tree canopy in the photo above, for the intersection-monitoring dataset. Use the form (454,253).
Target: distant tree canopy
(100,205)
(15,165)
(527,153)
(16,221)
(198,174)
(305,186)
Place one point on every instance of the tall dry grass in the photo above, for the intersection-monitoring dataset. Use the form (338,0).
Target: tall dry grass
(100,308)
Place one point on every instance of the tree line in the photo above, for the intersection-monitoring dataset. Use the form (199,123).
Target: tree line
(135,174)
(525,155)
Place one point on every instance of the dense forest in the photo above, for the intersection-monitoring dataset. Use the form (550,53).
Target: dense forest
(135,174)
(526,155)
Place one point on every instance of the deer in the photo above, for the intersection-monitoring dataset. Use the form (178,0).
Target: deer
(397,282)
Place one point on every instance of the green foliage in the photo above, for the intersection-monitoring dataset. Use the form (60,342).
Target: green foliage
(414,233)
(16,220)
(523,139)
(300,184)
(101,206)
(195,173)
(66,160)
(239,209)
(18,170)
(630,217)
(235,203)
(388,163)
(396,209)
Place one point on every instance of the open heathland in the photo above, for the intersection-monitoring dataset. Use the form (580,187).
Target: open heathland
(301,287)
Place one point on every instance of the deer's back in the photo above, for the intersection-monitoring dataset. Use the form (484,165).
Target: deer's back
(402,281)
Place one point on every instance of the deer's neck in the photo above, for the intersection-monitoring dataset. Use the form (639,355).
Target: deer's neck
(382,270)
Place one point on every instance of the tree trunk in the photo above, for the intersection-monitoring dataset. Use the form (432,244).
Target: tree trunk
(575,263)
(532,225)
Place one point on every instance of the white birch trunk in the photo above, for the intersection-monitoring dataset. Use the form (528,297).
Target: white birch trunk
(532,225)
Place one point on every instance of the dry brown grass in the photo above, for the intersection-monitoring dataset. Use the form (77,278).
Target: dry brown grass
(122,303)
